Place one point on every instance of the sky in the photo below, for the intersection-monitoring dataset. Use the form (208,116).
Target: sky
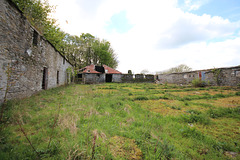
(156,35)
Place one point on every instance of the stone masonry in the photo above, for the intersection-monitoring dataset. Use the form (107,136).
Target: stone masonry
(33,61)
(219,76)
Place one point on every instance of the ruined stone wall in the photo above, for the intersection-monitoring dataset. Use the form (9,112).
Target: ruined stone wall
(91,78)
(25,52)
(137,78)
(117,78)
(226,77)
(149,78)
(127,77)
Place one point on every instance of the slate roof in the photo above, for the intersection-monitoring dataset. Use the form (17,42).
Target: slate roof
(91,69)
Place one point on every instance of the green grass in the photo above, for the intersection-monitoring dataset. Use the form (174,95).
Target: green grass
(122,121)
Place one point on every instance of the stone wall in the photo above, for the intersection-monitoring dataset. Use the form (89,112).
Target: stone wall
(127,77)
(26,53)
(90,78)
(226,76)
(117,78)
(137,78)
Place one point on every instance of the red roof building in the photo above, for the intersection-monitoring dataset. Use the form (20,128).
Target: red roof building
(98,74)
(99,69)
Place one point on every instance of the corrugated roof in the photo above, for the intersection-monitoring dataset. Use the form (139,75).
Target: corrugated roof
(91,69)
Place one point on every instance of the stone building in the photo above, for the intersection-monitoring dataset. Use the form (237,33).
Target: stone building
(32,62)
(98,74)
(219,76)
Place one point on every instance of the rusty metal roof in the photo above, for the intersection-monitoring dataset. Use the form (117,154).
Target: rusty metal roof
(91,69)
(110,70)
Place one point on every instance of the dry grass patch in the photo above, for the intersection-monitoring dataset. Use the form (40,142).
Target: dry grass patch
(230,102)
(68,121)
(165,107)
(210,92)
(126,148)
(225,129)
(106,91)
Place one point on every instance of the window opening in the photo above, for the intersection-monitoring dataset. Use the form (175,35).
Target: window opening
(35,38)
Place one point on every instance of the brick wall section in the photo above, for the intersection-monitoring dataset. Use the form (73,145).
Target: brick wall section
(227,76)
(27,53)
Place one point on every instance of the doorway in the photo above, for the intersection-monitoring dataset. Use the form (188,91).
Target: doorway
(45,78)
(108,77)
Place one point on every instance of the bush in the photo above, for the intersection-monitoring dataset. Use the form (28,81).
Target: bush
(237,93)
(140,98)
(198,83)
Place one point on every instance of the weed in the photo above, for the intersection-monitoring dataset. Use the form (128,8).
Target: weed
(196,118)
(224,112)
(191,132)
(198,83)
(141,98)
(174,107)
(191,111)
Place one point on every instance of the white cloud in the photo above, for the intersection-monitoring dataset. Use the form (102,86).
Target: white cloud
(162,35)
(194,5)
(190,28)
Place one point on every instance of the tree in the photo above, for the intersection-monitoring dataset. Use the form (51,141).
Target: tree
(178,69)
(79,50)
(145,71)
(37,12)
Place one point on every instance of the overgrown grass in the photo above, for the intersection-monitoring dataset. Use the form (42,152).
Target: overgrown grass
(120,121)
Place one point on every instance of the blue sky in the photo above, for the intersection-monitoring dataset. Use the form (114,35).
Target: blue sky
(119,23)
(156,35)
(229,9)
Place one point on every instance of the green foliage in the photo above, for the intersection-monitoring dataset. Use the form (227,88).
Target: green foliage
(191,132)
(85,50)
(198,83)
(91,115)
(79,50)
(225,112)
(217,76)
(196,118)
(36,12)
(141,98)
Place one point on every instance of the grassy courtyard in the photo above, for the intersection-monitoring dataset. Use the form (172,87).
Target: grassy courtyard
(123,121)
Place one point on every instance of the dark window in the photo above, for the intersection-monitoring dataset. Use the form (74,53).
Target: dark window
(79,75)
(99,69)
(63,60)
(57,77)
(35,38)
